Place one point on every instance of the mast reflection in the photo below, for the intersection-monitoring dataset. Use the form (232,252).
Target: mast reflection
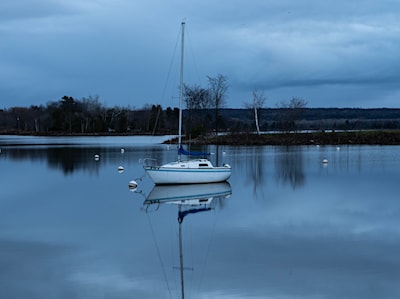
(190,199)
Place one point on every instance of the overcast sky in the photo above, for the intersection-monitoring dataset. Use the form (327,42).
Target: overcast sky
(330,53)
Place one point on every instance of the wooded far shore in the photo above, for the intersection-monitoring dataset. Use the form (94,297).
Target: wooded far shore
(278,126)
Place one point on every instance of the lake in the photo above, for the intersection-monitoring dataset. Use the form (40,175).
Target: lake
(289,227)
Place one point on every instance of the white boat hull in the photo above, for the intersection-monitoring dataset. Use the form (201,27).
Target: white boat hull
(188,172)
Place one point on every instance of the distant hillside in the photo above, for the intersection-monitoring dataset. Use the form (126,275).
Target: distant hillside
(274,114)
(317,118)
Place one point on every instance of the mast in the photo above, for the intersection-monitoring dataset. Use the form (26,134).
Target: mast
(181,91)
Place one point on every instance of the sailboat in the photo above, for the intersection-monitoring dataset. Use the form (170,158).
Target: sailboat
(186,171)
(191,199)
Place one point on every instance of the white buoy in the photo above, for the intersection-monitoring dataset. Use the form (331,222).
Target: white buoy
(122,150)
(120,169)
(132,185)
(338,148)
(96,157)
(325,161)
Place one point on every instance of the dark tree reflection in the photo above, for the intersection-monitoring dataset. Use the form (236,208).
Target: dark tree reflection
(255,171)
(289,165)
(70,159)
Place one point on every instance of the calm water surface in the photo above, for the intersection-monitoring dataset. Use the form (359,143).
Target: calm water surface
(292,227)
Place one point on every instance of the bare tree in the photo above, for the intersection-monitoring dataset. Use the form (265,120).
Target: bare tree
(293,112)
(218,87)
(257,104)
(295,103)
(91,108)
(196,97)
(197,100)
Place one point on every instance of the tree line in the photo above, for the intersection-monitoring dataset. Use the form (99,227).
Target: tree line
(89,116)
(204,113)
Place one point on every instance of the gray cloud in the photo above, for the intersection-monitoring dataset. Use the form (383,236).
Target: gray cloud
(121,51)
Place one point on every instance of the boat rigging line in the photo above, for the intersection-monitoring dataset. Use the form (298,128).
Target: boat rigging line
(159,255)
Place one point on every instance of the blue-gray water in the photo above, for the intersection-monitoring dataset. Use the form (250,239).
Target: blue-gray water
(293,227)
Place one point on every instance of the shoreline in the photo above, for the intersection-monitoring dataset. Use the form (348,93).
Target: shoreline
(372,137)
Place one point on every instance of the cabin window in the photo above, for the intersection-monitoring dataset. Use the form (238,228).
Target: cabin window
(203,165)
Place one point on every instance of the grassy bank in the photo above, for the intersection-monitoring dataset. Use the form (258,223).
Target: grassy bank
(390,137)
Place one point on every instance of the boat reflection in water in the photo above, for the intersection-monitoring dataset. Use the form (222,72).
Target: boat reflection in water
(190,199)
